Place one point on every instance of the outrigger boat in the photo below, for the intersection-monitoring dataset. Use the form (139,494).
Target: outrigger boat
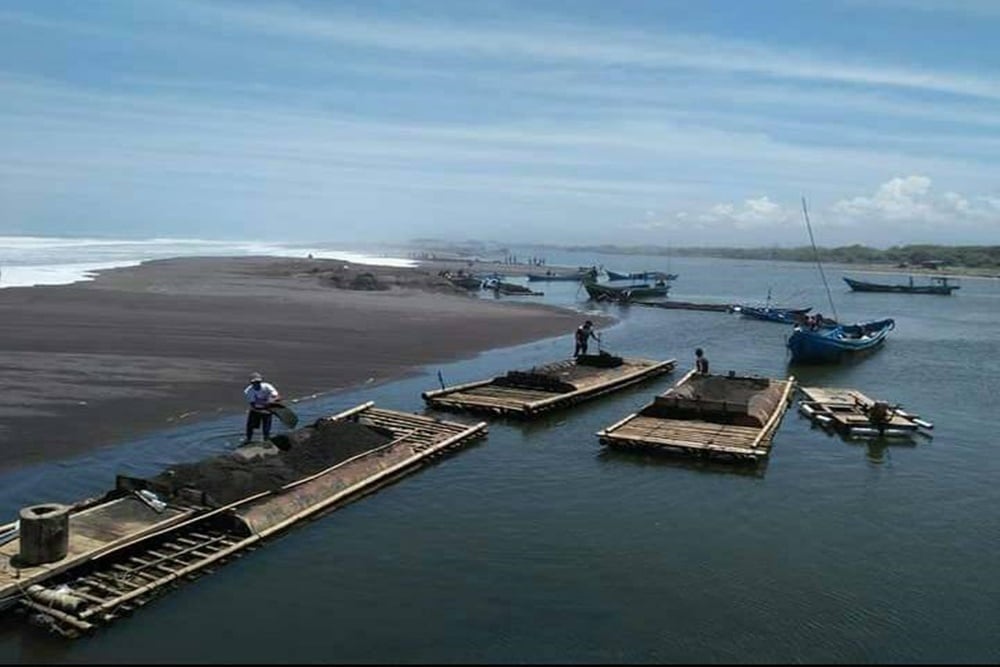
(542,388)
(642,275)
(853,414)
(939,285)
(83,566)
(719,416)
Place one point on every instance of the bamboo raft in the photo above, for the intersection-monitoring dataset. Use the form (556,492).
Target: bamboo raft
(552,386)
(726,417)
(855,415)
(123,551)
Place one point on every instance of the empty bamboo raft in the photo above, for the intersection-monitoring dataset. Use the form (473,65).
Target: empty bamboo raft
(548,387)
(124,551)
(726,417)
(855,415)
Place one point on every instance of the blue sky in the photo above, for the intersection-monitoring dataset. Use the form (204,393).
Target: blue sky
(568,121)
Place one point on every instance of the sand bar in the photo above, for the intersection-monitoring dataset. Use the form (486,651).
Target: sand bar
(143,348)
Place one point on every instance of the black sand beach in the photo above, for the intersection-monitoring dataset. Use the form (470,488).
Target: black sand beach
(94,363)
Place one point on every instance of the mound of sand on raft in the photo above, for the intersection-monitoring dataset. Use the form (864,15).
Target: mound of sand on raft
(230,477)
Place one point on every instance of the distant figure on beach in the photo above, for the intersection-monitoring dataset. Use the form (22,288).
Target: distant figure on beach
(700,362)
(584,333)
(260,395)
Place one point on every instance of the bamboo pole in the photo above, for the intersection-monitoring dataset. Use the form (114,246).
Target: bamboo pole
(778,413)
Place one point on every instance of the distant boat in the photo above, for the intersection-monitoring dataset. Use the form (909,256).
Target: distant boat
(643,275)
(625,293)
(833,344)
(939,285)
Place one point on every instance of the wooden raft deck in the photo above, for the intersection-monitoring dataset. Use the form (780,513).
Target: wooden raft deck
(142,553)
(697,436)
(523,401)
(848,411)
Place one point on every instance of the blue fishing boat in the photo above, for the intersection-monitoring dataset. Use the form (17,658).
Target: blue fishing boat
(773,314)
(820,341)
(834,344)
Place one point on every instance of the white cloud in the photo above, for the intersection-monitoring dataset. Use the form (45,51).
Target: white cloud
(752,213)
(913,201)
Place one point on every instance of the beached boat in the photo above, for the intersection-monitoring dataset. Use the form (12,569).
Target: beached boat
(121,550)
(509,289)
(835,343)
(642,275)
(854,415)
(939,285)
(720,416)
(625,293)
(466,282)
(772,314)
(542,388)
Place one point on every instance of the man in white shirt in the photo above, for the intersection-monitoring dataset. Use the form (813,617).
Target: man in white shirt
(260,395)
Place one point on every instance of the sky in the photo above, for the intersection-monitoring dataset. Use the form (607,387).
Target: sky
(635,122)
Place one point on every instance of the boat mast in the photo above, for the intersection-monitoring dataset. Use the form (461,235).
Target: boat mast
(819,264)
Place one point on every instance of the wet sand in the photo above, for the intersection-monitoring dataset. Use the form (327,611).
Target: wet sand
(144,348)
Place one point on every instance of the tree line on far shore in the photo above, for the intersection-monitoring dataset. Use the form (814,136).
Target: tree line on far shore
(979,257)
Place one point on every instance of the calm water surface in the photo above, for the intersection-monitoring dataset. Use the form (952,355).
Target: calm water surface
(536,545)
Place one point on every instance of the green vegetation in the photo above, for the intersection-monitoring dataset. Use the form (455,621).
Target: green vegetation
(930,256)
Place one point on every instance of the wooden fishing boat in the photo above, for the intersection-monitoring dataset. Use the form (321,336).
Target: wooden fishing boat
(509,289)
(720,416)
(854,415)
(773,314)
(834,344)
(642,275)
(622,294)
(939,285)
(579,275)
(123,549)
(542,388)
(688,305)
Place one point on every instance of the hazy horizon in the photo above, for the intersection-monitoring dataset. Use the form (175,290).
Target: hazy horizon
(551,122)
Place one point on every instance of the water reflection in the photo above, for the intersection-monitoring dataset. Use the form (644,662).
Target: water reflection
(667,459)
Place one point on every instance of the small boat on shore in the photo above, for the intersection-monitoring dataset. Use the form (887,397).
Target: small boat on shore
(81,566)
(509,289)
(835,343)
(720,416)
(938,285)
(551,386)
(625,293)
(854,415)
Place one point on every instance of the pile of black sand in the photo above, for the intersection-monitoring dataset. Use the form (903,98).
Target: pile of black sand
(231,477)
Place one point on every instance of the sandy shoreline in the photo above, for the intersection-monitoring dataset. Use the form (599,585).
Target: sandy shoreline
(95,363)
